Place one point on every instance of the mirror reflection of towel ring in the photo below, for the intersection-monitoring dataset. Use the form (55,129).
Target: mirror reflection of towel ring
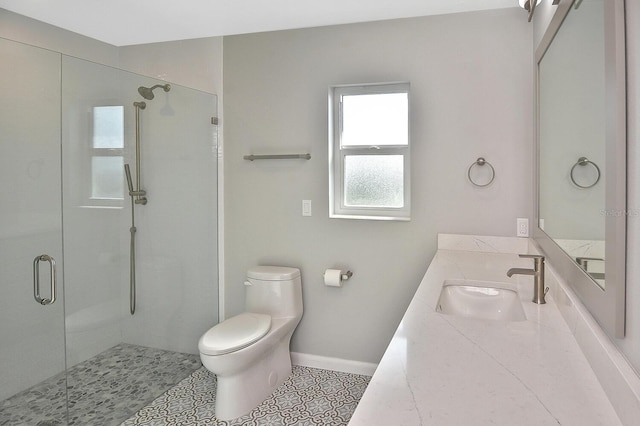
(481,162)
(583,161)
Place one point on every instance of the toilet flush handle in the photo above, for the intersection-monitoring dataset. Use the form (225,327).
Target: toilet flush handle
(247,283)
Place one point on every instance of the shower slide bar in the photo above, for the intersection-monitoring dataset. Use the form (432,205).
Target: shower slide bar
(138,193)
(36,279)
(138,196)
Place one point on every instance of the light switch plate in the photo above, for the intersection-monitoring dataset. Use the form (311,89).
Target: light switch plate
(306,207)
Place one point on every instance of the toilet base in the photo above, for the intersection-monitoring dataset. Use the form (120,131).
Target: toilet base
(238,394)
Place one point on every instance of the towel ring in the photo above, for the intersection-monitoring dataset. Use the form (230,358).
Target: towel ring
(481,162)
(583,161)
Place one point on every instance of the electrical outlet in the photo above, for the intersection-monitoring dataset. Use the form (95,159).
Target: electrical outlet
(306,207)
(522,227)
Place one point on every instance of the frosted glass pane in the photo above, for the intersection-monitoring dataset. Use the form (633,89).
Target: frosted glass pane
(375,119)
(108,127)
(106,177)
(374,181)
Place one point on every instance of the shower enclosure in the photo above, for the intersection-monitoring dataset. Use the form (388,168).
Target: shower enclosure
(66,130)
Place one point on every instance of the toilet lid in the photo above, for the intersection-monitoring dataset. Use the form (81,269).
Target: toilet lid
(235,333)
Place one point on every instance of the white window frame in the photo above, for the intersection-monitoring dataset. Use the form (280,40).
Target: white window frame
(337,154)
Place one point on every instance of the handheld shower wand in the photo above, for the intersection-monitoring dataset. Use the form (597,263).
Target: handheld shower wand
(129,182)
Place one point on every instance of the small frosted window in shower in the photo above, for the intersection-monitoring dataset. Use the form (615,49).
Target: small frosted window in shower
(106,157)
(106,177)
(108,127)
(374,180)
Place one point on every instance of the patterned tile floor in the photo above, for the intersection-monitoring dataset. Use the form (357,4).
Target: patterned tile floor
(103,391)
(309,397)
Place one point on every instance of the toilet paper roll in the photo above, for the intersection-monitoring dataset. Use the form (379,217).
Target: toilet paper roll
(333,277)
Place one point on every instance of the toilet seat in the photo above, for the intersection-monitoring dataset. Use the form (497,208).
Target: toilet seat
(235,333)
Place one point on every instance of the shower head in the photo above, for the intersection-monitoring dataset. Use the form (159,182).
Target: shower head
(147,92)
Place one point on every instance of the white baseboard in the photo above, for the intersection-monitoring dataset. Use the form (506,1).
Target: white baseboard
(335,364)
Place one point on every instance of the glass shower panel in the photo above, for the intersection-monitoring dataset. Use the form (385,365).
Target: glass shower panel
(32,353)
(176,231)
(131,359)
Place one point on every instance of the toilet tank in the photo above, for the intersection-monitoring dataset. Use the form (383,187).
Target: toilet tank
(274,290)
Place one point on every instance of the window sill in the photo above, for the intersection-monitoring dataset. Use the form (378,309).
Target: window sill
(364,217)
(101,207)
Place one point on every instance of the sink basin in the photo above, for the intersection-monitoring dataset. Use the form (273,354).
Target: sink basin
(480,299)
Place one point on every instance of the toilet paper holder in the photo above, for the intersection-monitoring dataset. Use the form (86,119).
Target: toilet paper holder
(336,277)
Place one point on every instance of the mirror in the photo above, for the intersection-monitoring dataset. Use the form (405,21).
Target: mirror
(581,154)
(572,138)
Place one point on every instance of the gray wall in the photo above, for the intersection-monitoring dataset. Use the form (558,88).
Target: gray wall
(26,30)
(195,63)
(471,96)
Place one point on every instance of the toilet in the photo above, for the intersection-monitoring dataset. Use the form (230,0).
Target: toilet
(249,353)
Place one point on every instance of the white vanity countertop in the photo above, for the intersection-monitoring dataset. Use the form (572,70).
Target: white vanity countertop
(446,370)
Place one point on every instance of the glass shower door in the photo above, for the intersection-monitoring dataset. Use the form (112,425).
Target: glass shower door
(32,352)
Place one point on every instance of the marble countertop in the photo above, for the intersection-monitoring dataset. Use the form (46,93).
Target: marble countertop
(448,370)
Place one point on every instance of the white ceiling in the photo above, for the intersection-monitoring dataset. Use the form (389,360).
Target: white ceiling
(126,22)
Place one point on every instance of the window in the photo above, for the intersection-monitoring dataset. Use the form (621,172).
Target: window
(369,151)
(107,147)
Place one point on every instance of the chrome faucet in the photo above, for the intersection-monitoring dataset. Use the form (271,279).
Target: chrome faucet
(539,291)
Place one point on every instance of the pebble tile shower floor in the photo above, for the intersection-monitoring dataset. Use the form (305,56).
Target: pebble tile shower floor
(106,389)
(103,391)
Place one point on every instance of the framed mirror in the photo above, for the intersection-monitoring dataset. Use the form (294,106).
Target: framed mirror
(581,161)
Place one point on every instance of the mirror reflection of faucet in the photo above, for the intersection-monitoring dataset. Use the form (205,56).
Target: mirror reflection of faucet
(539,290)
(584,263)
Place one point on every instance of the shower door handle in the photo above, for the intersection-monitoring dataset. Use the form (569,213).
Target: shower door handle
(36,279)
